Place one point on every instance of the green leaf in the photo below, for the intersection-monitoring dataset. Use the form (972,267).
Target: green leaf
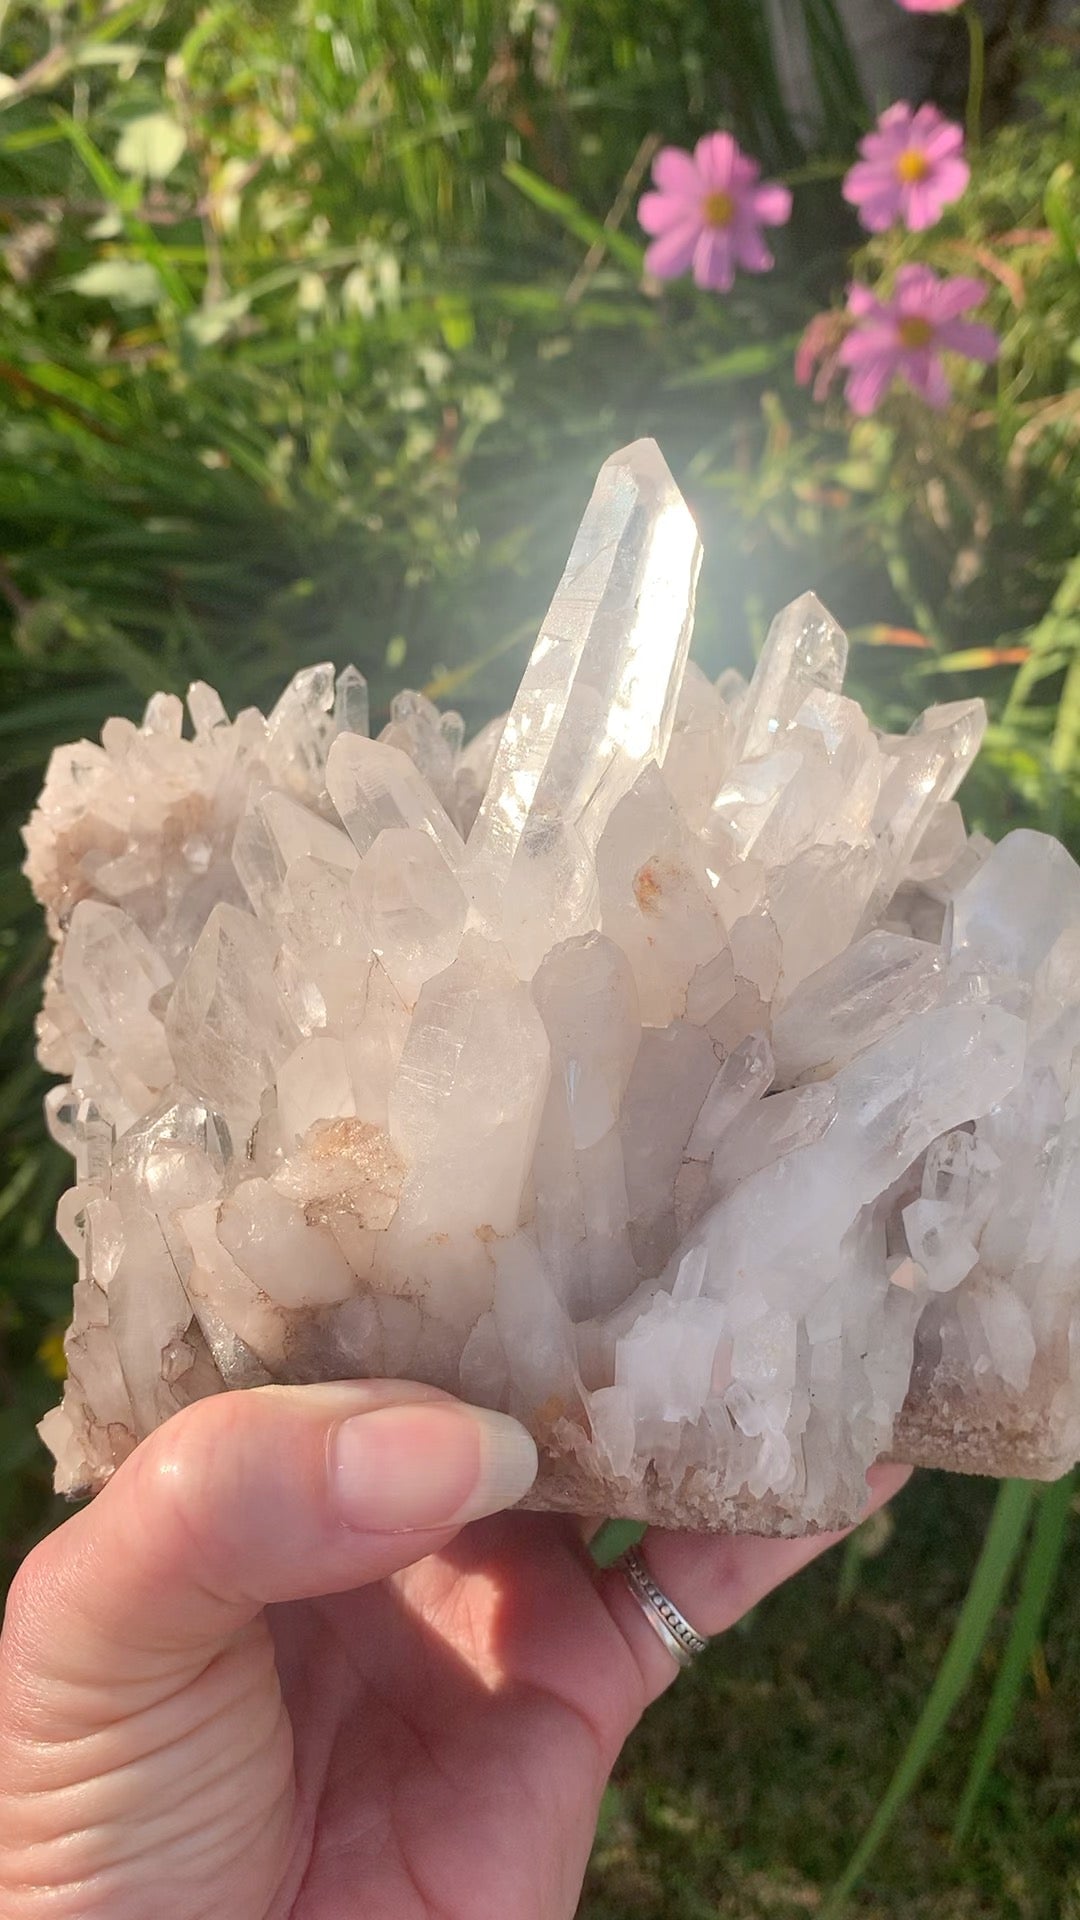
(1040,1570)
(742,363)
(125,283)
(83,709)
(836,71)
(456,322)
(151,146)
(613,1538)
(1000,1548)
(574,217)
(1066,742)
(124,53)
(122,193)
(20,1184)
(980,660)
(1059,214)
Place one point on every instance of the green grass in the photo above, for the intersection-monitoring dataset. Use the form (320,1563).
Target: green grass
(1004,1540)
(743,1794)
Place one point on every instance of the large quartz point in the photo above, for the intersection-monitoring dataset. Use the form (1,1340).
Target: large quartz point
(667,1067)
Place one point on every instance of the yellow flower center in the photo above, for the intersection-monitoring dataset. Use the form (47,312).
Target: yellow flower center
(912,166)
(718,209)
(915,332)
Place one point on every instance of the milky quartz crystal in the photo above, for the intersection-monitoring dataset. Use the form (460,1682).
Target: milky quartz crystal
(666,1067)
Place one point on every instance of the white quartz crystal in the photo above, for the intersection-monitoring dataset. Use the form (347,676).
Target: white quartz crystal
(666,1067)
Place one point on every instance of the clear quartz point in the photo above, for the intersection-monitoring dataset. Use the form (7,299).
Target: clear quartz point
(597,700)
(805,649)
(351,701)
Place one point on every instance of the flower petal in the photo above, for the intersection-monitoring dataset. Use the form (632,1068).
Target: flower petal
(927,198)
(817,337)
(921,203)
(971,338)
(916,288)
(868,342)
(714,260)
(950,177)
(926,376)
(877,197)
(947,298)
(673,171)
(890,136)
(657,212)
(938,138)
(863,300)
(867,385)
(881,213)
(885,148)
(715,156)
(749,246)
(866,178)
(671,254)
(745,171)
(771,203)
(926,117)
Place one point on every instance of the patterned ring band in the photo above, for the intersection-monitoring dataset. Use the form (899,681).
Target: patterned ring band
(663,1616)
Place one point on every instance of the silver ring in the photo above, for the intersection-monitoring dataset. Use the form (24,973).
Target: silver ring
(671,1627)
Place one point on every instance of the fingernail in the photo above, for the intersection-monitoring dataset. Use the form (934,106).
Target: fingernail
(438,1464)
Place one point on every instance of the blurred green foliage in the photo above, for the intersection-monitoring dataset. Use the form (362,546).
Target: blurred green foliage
(314,326)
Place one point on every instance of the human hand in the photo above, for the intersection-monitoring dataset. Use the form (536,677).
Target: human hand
(264,1675)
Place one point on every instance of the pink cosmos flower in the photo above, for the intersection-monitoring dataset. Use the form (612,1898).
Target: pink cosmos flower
(708,211)
(930,6)
(912,166)
(907,335)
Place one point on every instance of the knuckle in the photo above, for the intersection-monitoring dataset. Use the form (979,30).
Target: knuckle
(179,1477)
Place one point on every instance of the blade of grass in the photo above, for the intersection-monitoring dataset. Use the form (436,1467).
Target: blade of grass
(1058,629)
(1058,212)
(1008,1525)
(742,363)
(836,74)
(881,634)
(612,1538)
(1066,740)
(974,660)
(749,38)
(1040,1571)
(572,216)
(451,679)
(22,1180)
(84,708)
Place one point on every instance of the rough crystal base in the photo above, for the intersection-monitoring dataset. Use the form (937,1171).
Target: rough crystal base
(667,1067)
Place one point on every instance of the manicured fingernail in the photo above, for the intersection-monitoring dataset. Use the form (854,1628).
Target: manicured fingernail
(438,1464)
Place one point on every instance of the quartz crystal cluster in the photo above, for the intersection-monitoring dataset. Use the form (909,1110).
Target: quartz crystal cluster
(666,1067)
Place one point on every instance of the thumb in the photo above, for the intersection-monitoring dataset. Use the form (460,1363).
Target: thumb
(274,1493)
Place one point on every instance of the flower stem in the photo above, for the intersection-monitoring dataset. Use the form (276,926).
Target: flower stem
(976,73)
